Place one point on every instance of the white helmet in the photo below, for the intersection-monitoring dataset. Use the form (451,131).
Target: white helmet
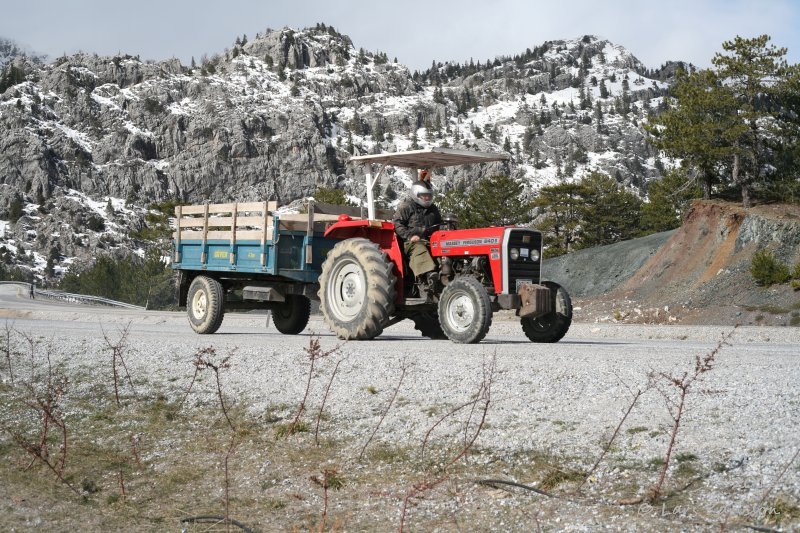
(422,193)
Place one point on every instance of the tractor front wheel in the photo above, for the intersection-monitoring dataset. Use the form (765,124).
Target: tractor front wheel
(465,311)
(356,289)
(553,326)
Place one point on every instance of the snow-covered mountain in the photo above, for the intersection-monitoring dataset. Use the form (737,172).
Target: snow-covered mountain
(10,50)
(279,115)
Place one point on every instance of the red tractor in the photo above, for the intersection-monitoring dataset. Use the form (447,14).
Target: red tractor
(366,285)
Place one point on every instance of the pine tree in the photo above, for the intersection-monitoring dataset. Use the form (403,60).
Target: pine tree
(598,116)
(749,72)
(603,89)
(330,196)
(414,141)
(609,213)
(494,201)
(561,216)
(669,198)
(15,208)
(701,128)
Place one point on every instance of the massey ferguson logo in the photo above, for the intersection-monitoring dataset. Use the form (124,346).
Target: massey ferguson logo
(482,241)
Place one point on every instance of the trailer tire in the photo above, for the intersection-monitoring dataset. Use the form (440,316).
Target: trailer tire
(465,311)
(553,326)
(291,317)
(357,289)
(204,304)
(428,324)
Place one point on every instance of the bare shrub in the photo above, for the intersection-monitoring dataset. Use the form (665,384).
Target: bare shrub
(204,359)
(118,349)
(315,354)
(42,393)
(475,421)
(8,351)
(403,369)
(330,480)
(675,389)
(634,400)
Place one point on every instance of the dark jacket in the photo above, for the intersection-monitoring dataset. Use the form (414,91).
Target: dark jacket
(412,219)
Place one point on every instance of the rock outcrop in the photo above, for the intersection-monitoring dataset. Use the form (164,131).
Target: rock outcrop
(697,273)
(277,117)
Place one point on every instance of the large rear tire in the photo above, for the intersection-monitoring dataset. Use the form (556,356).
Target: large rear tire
(356,290)
(428,324)
(291,317)
(465,311)
(204,305)
(553,326)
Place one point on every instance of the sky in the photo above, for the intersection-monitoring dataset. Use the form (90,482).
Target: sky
(416,32)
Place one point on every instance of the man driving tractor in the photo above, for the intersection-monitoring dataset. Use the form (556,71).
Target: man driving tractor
(416,218)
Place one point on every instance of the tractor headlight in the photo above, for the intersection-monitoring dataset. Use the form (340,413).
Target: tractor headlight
(534,255)
(514,253)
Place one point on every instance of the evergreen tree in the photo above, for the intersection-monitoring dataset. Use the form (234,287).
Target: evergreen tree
(701,128)
(15,209)
(598,116)
(11,76)
(609,213)
(494,201)
(561,219)
(784,186)
(669,198)
(331,196)
(414,141)
(147,282)
(749,71)
(603,89)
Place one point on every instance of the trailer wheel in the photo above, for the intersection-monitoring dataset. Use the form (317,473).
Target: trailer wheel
(356,289)
(204,304)
(291,317)
(553,326)
(428,324)
(465,311)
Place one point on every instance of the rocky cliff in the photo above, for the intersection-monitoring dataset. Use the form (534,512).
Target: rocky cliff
(278,116)
(698,273)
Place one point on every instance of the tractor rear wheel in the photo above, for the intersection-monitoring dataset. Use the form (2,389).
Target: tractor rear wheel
(204,304)
(357,289)
(291,317)
(465,311)
(553,326)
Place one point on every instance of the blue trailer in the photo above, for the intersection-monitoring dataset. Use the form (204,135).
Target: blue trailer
(244,256)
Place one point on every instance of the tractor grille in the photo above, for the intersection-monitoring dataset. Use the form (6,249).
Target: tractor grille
(523,268)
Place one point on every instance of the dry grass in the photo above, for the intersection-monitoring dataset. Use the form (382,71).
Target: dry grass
(159,457)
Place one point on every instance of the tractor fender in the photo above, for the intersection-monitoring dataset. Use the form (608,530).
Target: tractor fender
(381,232)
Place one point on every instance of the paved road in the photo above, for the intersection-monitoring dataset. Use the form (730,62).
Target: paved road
(565,398)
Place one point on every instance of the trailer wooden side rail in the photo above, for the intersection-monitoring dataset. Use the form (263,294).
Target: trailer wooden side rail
(225,230)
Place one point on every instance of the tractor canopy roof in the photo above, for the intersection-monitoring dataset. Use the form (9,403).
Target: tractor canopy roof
(430,158)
